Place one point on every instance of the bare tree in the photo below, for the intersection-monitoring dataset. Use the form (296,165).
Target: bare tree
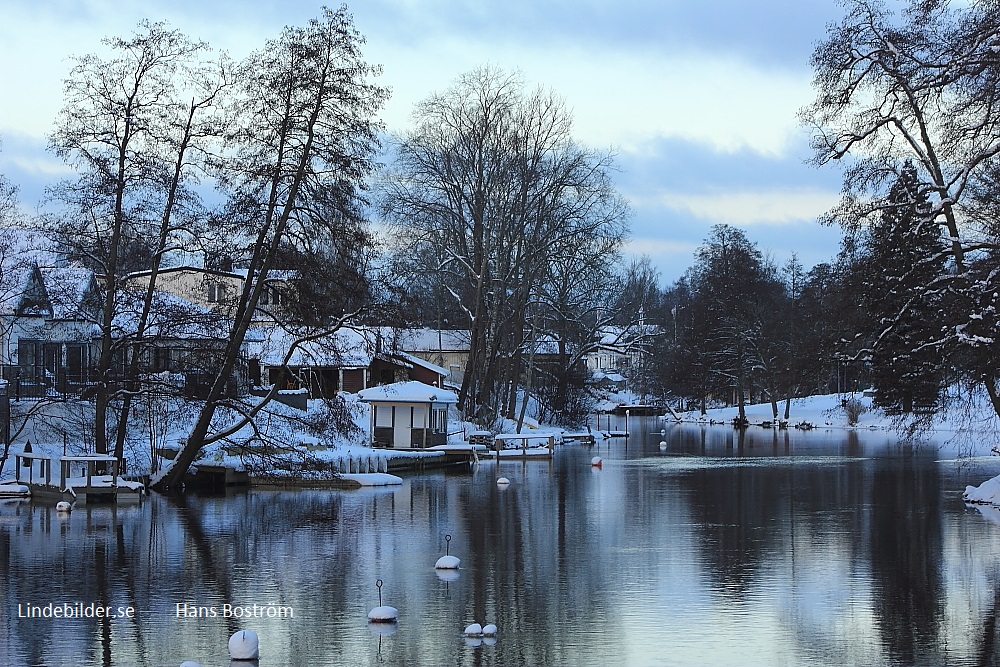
(302,133)
(125,128)
(491,182)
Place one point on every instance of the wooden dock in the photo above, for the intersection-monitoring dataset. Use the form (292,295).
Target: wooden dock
(81,479)
(515,446)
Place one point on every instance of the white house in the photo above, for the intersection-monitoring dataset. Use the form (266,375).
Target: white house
(408,415)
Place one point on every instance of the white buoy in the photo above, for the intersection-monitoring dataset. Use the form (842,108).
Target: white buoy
(244,645)
(663,445)
(473,630)
(447,561)
(489,630)
(382,613)
(63,506)
(597,462)
(503,481)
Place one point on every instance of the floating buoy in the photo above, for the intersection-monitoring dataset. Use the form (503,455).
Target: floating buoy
(597,462)
(473,630)
(63,506)
(503,481)
(244,645)
(447,562)
(489,630)
(663,445)
(382,613)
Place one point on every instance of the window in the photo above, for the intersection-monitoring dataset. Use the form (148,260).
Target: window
(383,416)
(271,295)
(439,419)
(216,292)
(162,359)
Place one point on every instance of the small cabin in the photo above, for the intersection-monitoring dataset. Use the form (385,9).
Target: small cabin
(408,415)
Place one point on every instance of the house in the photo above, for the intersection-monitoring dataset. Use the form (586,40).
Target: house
(218,290)
(408,415)
(47,328)
(447,349)
(181,342)
(348,360)
(620,349)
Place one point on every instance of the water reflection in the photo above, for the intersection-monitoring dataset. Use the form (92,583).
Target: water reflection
(762,547)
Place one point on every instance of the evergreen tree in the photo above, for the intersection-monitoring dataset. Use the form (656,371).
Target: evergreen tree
(905,256)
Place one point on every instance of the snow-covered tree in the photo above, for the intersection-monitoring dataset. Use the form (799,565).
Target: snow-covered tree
(905,255)
(135,125)
(300,143)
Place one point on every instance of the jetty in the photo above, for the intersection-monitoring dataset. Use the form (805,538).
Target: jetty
(522,446)
(81,479)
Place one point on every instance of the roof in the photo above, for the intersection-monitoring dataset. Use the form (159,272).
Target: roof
(185,268)
(344,348)
(170,317)
(427,340)
(407,392)
(417,361)
(73,293)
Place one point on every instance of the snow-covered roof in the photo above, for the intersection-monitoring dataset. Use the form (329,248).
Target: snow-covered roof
(407,392)
(344,348)
(73,293)
(427,340)
(185,268)
(14,284)
(170,317)
(273,274)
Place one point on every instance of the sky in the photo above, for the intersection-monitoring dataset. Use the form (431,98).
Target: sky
(697,100)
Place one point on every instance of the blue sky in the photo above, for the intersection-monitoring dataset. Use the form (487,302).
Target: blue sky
(697,100)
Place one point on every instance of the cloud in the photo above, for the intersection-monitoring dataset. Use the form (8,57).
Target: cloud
(779,205)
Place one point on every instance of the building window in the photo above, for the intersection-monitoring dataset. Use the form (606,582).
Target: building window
(216,292)
(440,420)
(271,295)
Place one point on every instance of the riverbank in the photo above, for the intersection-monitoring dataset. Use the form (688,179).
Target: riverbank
(962,414)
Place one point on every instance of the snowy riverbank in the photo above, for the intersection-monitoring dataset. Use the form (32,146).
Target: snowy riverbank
(856,411)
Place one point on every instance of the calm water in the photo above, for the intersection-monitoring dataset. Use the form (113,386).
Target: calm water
(788,548)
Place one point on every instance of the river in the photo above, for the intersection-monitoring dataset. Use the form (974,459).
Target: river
(828,547)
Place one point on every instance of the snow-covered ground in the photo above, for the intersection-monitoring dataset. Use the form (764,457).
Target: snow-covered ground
(837,410)
(293,443)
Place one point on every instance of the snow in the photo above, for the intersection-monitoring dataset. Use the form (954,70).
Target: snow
(447,563)
(373,478)
(407,392)
(826,410)
(344,348)
(987,493)
(244,645)
(14,490)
